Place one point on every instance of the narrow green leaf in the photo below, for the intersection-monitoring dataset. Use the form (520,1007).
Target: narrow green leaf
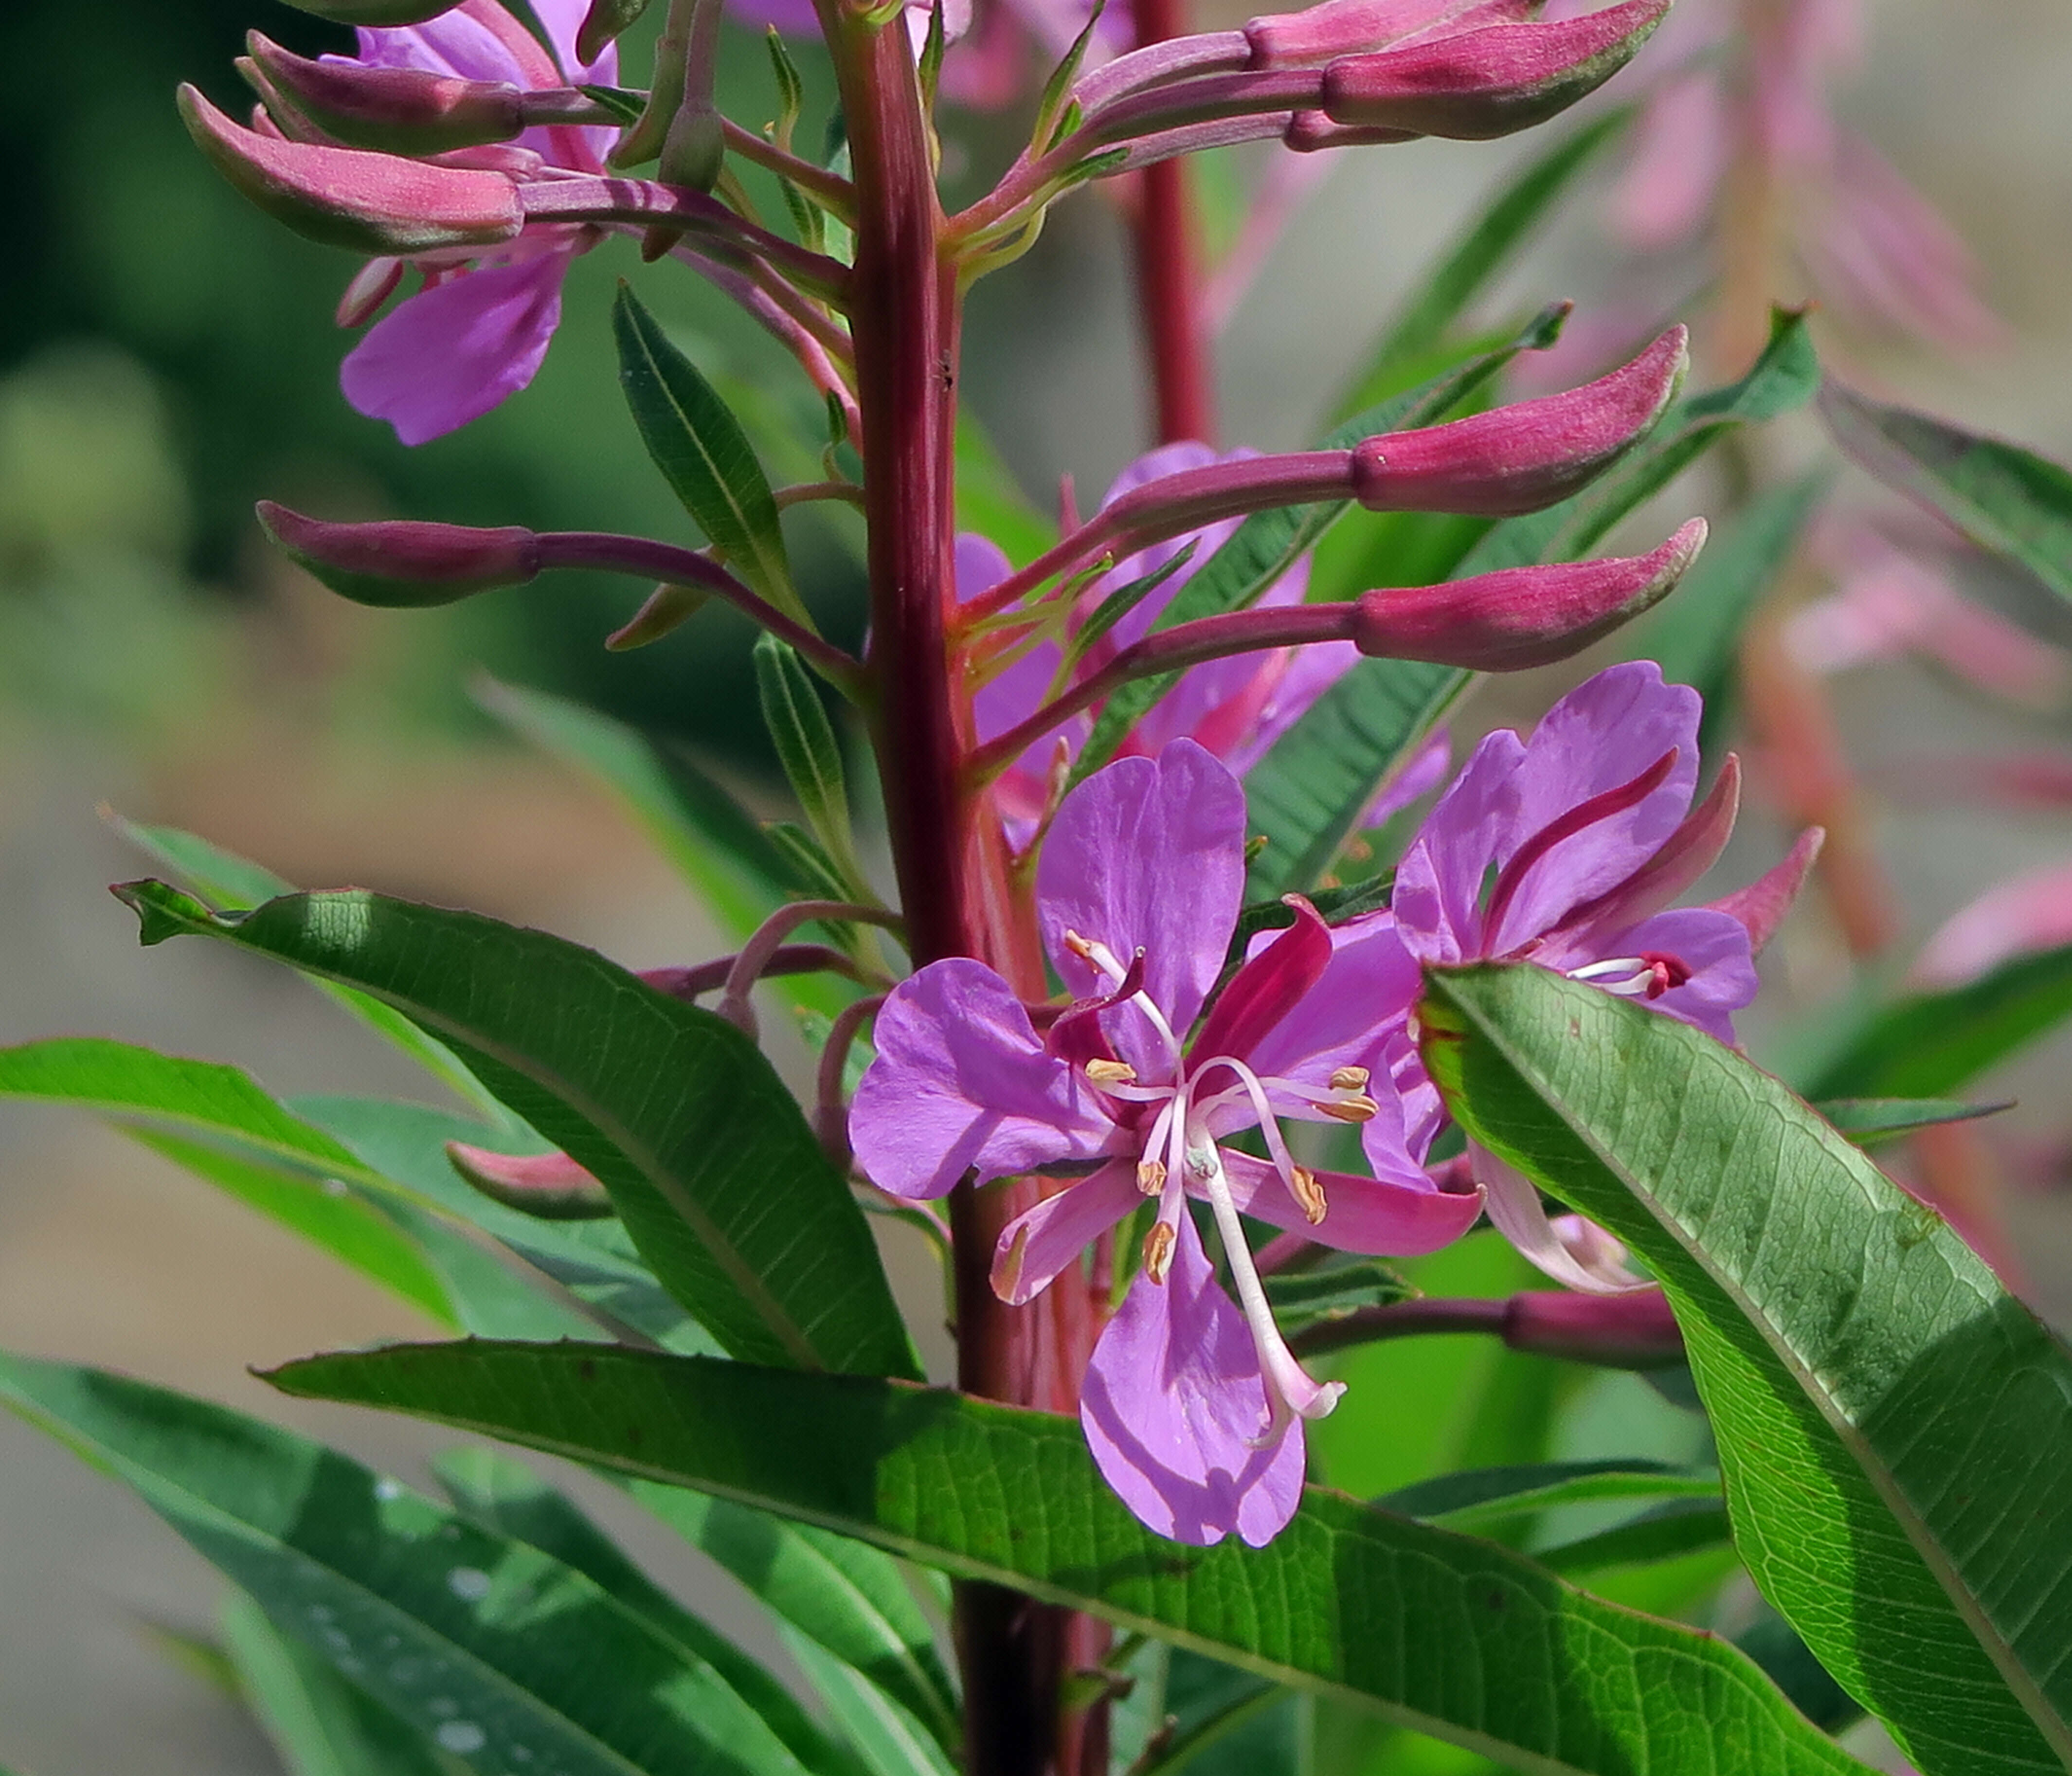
(506,1659)
(1304,1298)
(1867,1121)
(702,452)
(712,1167)
(2007,499)
(716,845)
(990,1492)
(623,103)
(327,1213)
(889,1741)
(844,1597)
(806,747)
(319,1724)
(1268,543)
(1486,247)
(1893,1426)
(1666,1534)
(1930,1043)
(507,1498)
(1491,1495)
(228,882)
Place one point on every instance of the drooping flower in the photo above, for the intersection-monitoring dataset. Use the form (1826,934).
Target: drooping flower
(478,331)
(1193,1406)
(1235,708)
(1566,850)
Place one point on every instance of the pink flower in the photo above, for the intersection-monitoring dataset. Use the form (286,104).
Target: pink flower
(478,331)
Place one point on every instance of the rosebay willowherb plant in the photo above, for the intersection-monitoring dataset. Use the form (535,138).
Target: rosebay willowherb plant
(1148,1044)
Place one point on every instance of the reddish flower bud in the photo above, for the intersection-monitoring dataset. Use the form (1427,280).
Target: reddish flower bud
(400,110)
(550,1186)
(1356,27)
(1634,1331)
(401,563)
(346,197)
(1310,131)
(374,12)
(1520,616)
(1490,82)
(1521,457)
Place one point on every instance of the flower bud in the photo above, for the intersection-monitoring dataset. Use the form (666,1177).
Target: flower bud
(1355,28)
(373,203)
(374,12)
(1634,1331)
(1520,616)
(399,110)
(1490,82)
(1308,132)
(399,563)
(550,1186)
(1521,457)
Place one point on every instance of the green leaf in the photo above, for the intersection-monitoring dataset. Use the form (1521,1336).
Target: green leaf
(1268,543)
(702,452)
(990,501)
(509,1500)
(1892,1427)
(1491,1495)
(1668,1533)
(319,1724)
(888,1739)
(228,882)
(1930,1043)
(993,1493)
(1694,635)
(1304,1298)
(506,1659)
(327,1213)
(1869,1121)
(848,1599)
(1308,795)
(804,738)
(1484,249)
(717,846)
(713,1168)
(2007,499)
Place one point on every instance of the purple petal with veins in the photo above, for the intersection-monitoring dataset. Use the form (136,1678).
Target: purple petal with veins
(1035,1246)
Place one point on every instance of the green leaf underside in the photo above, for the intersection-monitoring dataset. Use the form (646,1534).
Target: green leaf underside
(1893,1428)
(319,1724)
(1867,1121)
(2007,499)
(1455,1637)
(727,1194)
(1266,544)
(702,452)
(510,1661)
(1930,1043)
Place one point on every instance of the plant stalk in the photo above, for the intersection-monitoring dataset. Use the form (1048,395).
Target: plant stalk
(1169,288)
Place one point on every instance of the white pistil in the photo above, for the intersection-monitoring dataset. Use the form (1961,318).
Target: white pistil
(1101,957)
(1633,977)
(1254,1088)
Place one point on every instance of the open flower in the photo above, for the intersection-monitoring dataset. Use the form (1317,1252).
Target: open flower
(1236,708)
(1565,850)
(477,332)
(1192,1405)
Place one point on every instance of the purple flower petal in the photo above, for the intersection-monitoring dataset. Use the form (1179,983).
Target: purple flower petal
(1714,946)
(793,17)
(1439,883)
(1588,1260)
(1172,1402)
(1148,854)
(1392,1218)
(1363,996)
(454,351)
(1275,980)
(1033,1247)
(961,1080)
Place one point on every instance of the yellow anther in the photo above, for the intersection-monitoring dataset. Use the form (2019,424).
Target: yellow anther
(1110,1072)
(1150,1176)
(1350,1078)
(1080,947)
(1309,1193)
(1357,1108)
(1158,1246)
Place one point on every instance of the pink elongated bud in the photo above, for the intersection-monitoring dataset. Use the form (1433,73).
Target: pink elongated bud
(1355,28)
(550,1186)
(401,563)
(1490,82)
(374,12)
(399,110)
(1310,132)
(375,204)
(1521,457)
(1521,616)
(1634,1331)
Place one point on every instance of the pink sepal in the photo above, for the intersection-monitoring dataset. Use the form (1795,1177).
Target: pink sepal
(1760,907)
(397,110)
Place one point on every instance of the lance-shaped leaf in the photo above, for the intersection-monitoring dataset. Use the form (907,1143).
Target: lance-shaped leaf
(703,453)
(1932,1042)
(1453,1636)
(809,751)
(2007,499)
(1893,1427)
(1869,1121)
(483,1644)
(710,1161)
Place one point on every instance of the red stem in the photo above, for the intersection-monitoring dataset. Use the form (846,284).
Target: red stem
(1167,287)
